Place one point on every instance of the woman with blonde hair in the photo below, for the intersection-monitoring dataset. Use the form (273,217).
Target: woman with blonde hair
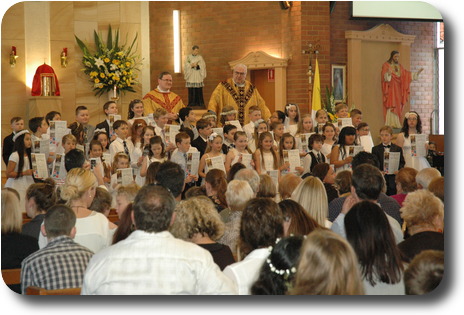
(197,221)
(327,266)
(267,188)
(311,195)
(15,246)
(94,231)
(423,215)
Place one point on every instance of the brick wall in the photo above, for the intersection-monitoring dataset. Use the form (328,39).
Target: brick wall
(227,31)
(422,53)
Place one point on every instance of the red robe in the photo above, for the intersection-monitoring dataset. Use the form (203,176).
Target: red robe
(37,82)
(396,92)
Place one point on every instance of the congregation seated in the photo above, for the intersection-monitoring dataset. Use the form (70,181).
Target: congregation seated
(222,235)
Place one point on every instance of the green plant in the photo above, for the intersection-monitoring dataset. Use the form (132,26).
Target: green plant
(111,66)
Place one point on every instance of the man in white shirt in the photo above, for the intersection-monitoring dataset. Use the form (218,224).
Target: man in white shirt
(151,260)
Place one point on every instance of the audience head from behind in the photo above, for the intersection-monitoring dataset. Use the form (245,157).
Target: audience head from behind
(74,159)
(238,193)
(312,196)
(327,266)
(423,211)
(102,201)
(437,187)
(425,176)
(197,217)
(124,196)
(12,217)
(324,172)
(267,188)
(425,272)
(367,182)
(153,209)
(343,182)
(40,197)
(151,173)
(80,184)
(59,220)
(277,273)
(287,185)
(171,176)
(233,170)
(364,157)
(251,176)
(261,225)
(406,180)
(369,233)
(296,220)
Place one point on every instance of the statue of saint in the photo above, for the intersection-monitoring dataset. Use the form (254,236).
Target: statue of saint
(395,89)
(194,74)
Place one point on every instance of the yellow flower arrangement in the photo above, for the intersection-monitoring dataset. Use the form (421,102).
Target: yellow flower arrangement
(109,63)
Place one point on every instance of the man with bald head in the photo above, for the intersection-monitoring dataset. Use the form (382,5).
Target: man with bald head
(239,93)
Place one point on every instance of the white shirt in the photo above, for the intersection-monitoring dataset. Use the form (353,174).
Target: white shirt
(154,263)
(118,146)
(244,273)
(92,232)
(249,129)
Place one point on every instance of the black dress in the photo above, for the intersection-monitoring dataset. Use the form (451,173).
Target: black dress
(222,255)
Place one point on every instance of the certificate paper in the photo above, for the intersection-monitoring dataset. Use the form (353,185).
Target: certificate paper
(170,132)
(58,170)
(216,162)
(343,122)
(391,162)
(354,149)
(293,158)
(125,176)
(193,161)
(418,145)
(246,160)
(39,165)
(304,139)
(236,123)
(58,128)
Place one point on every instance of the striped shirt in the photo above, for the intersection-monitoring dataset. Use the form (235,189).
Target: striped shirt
(59,265)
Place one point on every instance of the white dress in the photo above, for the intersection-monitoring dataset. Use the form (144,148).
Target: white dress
(292,129)
(268,162)
(135,155)
(92,232)
(22,183)
(340,157)
(326,150)
(416,162)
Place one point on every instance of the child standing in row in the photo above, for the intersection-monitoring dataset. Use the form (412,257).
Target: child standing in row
(229,133)
(19,169)
(339,156)
(386,135)
(156,153)
(229,113)
(213,149)
(17,124)
(254,113)
(292,111)
(121,143)
(235,154)
(287,143)
(328,132)
(321,119)
(265,156)
(109,108)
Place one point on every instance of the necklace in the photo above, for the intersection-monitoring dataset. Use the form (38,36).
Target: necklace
(78,208)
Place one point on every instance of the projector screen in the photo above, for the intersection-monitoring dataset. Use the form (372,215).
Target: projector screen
(404,10)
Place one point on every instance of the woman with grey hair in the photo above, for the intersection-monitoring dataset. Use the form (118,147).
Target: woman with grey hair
(197,221)
(237,195)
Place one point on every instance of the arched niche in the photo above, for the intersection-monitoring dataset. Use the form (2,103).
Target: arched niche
(367,51)
(260,60)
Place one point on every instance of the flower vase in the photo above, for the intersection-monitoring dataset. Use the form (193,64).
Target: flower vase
(113,94)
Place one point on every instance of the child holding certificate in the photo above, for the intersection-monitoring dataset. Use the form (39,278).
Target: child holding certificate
(265,156)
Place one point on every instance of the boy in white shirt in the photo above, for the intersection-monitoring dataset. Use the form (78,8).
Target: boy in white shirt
(160,115)
(315,156)
(180,157)
(121,144)
(255,114)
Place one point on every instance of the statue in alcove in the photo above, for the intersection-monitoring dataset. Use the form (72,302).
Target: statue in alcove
(194,74)
(395,88)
